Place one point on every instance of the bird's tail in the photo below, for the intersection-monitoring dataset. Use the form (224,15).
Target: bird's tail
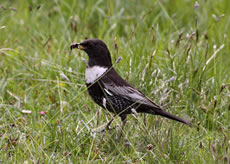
(170,116)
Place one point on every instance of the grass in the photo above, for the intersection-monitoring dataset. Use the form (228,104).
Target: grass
(176,54)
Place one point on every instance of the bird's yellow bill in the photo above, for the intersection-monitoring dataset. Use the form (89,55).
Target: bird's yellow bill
(81,47)
(78,46)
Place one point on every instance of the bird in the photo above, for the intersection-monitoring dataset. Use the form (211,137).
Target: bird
(110,91)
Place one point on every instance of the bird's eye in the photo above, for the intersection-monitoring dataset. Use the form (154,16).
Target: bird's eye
(89,45)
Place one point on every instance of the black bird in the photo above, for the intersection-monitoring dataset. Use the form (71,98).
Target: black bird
(112,92)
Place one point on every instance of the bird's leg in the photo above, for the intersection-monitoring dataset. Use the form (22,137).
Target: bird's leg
(105,127)
(124,120)
(109,123)
(145,120)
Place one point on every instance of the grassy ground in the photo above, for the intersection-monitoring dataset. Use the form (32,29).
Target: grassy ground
(176,54)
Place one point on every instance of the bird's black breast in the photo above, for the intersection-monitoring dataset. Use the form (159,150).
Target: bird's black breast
(96,93)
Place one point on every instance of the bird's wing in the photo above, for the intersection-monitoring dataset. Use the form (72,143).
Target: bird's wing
(115,85)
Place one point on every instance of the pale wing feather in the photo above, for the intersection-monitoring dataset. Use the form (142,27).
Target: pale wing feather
(129,93)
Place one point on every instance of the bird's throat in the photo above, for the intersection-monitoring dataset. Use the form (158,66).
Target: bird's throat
(94,73)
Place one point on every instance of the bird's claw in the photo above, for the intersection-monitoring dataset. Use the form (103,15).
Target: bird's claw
(103,128)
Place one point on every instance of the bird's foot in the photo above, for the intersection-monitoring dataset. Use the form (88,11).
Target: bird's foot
(103,128)
(107,127)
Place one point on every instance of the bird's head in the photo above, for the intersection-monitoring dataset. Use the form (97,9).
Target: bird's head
(97,51)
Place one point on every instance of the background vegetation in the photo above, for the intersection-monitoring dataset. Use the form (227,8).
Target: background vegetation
(176,52)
